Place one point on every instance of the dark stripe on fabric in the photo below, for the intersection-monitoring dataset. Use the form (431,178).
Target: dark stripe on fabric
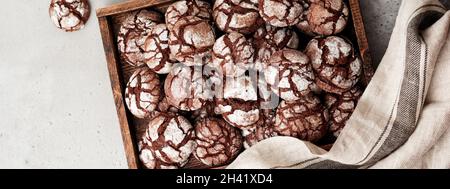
(405,122)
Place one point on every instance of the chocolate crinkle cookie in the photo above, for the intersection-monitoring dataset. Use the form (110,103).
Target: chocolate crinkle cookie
(268,39)
(233,53)
(180,9)
(217,142)
(69,15)
(237,16)
(337,68)
(259,134)
(281,13)
(239,105)
(306,119)
(239,113)
(191,41)
(164,106)
(156,50)
(143,92)
(185,88)
(324,17)
(263,129)
(133,33)
(341,108)
(206,111)
(168,142)
(290,75)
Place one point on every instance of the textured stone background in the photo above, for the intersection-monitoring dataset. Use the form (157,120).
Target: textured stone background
(56,105)
(379,19)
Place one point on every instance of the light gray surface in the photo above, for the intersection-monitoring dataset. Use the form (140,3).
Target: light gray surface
(379,19)
(56,107)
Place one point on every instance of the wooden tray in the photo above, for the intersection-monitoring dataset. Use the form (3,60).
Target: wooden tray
(109,21)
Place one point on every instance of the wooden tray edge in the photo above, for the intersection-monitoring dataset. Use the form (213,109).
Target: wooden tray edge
(363,44)
(128,6)
(107,38)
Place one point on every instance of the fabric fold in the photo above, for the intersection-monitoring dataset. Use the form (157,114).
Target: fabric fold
(401,116)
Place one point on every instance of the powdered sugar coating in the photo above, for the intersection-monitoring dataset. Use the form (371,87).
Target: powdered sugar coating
(341,108)
(156,50)
(233,53)
(185,88)
(237,15)
(280,13)
(179,9)
(143,92)
(305,119)
(69,15)
(242,87)
(263,129)
(217,142)
(239,113)
(268,39)
(337,68)
(324,17)
(133,33)
(290,75)
(191,41)
(168,142)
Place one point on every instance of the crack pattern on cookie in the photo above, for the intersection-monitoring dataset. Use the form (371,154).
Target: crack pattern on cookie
(180,9)
(305,119)
(290,75)
(337,68)
(240,16)
(218,143)
(341,108)
(133,33)
(168,142)
(239,104)
(263,129)
(191,41)
(239,113)
(143,92)
(324,17)
(268,39)
(156,50)
(233,53)
(280,13)
(69,15)
(206,111)
(185,88)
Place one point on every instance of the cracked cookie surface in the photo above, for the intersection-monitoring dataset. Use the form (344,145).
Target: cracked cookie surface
(218,143)
(168,142)
(156,50)
(143,92)
(324,17)
(69,15)
(233,53)
(180,9)
(191,41)
(280,13)
(240,16)
(134,31)
(336,66)
(306,119)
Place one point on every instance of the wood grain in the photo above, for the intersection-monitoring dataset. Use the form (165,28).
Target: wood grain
(131,6)
(111,58)
(109,22)
(363,44)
